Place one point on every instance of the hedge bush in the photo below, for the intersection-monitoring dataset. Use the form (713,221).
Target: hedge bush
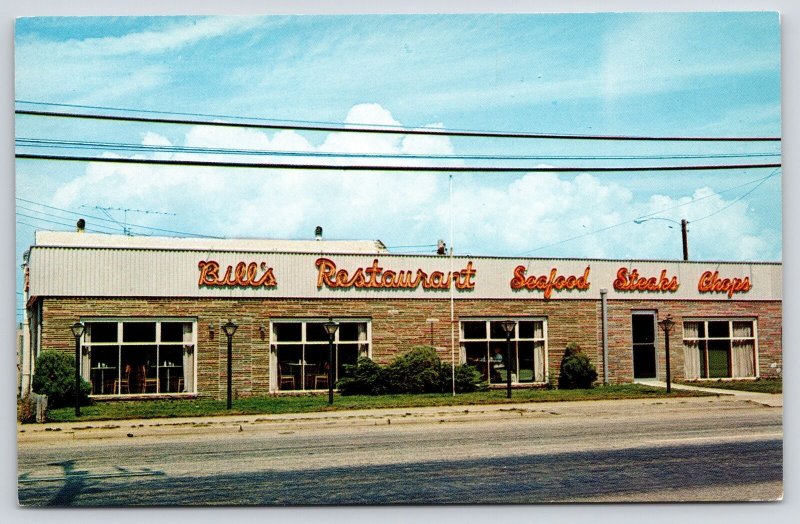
(55,377)
(418,371)
(576,371)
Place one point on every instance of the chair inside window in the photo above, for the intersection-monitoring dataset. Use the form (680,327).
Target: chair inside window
(124,385)
(320,377)
(285,378)
(148,383)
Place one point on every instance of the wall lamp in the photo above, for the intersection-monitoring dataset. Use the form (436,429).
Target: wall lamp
(211,330)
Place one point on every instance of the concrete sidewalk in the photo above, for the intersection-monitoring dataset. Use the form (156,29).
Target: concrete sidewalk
(765,399)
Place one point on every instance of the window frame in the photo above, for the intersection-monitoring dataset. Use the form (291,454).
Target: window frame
(515,339)
(730,339)
(274,343)
(87,347)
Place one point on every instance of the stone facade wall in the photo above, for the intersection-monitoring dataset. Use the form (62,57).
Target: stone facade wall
(399,324)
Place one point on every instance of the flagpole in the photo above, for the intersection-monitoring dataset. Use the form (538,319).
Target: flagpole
(452,297)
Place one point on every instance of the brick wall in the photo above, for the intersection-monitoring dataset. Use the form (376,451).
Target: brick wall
(399,324)
(620,363)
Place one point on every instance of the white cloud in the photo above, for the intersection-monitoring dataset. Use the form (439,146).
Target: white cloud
(540,214)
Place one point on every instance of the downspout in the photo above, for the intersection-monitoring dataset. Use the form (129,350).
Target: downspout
(604,313)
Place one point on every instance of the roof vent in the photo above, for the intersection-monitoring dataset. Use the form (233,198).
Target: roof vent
(441,248)
(81,225)
(318,233)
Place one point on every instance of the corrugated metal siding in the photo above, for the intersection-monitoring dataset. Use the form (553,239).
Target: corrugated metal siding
(163,273)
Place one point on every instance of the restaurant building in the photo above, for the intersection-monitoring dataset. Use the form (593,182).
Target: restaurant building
(153,309)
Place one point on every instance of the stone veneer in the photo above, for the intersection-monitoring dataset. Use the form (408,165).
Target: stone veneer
(399,324)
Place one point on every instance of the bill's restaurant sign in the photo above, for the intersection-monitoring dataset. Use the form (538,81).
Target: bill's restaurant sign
(251,274)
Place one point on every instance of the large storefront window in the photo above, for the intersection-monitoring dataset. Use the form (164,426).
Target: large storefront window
(719,348)
(136,357)
(483,345)
(300,352)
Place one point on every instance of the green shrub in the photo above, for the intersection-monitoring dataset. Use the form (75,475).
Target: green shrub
(576,371)
(363,378)
(418,371)
(55,377)
(468,379)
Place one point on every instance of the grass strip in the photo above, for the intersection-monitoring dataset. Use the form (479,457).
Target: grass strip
(143,409)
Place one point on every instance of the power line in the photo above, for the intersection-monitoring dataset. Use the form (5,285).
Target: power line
(50,215)
(234,117)
(117,146)
(433,169)
(48,221)
(391,130)
(732,203)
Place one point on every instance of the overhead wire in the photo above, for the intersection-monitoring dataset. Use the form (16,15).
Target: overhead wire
(718,211)
(396,168)
(336,125)
(348,128)
(120,146)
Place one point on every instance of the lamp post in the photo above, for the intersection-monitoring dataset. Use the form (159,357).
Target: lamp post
(508,327)
(683,223)
(666,325)
(330,328)
(230,328)
(77,330)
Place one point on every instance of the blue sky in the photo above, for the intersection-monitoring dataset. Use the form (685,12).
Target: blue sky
(710,74)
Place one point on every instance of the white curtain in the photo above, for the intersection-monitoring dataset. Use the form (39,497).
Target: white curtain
(743,356)
(363,347)
(538,360)
(691,350)
(691,356)
(86,363)
(538,330)
(743,329)
(188,358)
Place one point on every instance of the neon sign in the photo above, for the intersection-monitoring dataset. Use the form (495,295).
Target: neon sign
(549,283)
(376,277)
(711,283)
(631,281)
(242,275)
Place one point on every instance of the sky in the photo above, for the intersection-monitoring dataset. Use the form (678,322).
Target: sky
(653,74)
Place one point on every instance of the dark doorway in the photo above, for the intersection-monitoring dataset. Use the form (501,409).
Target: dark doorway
(644,344)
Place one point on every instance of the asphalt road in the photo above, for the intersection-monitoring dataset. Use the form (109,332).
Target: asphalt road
(679,450)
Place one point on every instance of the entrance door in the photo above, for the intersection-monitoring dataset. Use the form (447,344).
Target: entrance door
(644,344)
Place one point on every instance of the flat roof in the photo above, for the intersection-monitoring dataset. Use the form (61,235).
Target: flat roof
(95,240)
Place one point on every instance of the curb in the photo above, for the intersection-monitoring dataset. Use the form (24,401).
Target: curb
(162,427)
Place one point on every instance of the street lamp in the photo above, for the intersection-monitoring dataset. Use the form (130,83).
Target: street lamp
(683,223)
(508,327)
(666,325)
(77,331)
(230,328)
(330,328)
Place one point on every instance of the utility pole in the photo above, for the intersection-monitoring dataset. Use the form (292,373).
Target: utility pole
(685,240)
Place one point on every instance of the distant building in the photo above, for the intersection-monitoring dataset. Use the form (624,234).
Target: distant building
(154,309)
